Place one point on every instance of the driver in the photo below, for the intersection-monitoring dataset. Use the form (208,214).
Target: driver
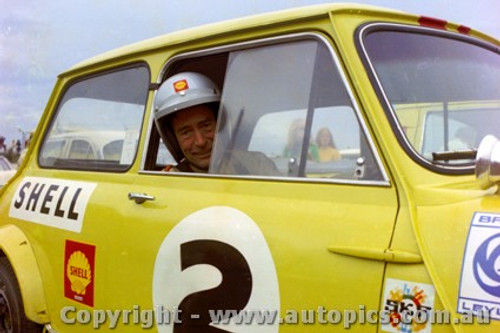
(186,107)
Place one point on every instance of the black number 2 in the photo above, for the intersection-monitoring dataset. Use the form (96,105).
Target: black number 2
(232,294)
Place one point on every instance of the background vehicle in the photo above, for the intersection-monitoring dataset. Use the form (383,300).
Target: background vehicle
(397,229)
(6,170)
(106,146)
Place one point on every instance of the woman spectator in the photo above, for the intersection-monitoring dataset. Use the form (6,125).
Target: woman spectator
(327,150)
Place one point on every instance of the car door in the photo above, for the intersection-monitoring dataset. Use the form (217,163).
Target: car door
(72,204)
(304,244)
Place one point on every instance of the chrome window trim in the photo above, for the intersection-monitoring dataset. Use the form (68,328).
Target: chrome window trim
(282,179)
(393,120)
(270,41)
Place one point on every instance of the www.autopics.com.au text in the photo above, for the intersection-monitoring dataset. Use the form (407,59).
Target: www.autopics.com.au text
(321,315)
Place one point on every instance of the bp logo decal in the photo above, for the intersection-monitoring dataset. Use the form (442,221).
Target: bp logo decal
(487,266)
(214,260)
(480,280)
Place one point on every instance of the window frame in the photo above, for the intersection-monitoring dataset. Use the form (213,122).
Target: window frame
(81,165)
(260,42)
(364,30)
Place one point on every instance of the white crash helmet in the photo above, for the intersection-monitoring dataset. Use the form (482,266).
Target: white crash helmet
(184,90)
(178,92)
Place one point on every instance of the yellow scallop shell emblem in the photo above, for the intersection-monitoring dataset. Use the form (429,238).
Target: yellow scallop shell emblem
(79,272)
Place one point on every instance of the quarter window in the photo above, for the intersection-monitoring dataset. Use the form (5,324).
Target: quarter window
(97,123)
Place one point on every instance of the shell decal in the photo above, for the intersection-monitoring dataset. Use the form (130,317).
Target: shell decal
(79,272)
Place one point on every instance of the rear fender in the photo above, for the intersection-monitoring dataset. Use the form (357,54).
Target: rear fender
(16,247)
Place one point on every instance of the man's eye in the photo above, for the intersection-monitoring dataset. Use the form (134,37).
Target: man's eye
(207,124)
(185,133)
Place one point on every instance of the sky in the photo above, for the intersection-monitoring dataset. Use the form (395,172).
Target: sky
(40,39)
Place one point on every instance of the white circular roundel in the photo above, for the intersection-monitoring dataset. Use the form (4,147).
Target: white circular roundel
(214,273)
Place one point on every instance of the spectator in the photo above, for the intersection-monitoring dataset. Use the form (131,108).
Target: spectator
(3,147)
(326,146)
(296,140)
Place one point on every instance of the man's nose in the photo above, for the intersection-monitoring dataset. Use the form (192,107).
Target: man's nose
(199,138)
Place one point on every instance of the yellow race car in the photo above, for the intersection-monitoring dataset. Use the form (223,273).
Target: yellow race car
(312,170)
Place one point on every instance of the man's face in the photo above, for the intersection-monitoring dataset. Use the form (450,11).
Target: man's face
(194,129)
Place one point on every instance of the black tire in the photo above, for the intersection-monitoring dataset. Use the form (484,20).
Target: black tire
(12,316)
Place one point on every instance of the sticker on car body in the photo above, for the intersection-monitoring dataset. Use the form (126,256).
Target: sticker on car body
(214,261)
(79,272)
(480,279)
(52,202)
(408,305)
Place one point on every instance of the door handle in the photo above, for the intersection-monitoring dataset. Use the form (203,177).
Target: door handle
(139,198)
(387,255)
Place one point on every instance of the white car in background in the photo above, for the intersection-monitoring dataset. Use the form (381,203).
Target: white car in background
(81,148)
(6,170)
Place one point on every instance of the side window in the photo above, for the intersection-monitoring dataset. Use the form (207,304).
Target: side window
(163,156)
(285,112)
(97,123)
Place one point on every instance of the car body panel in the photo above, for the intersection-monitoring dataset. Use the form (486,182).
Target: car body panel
(19,251)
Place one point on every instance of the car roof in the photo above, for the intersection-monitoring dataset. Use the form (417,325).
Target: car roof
(220,28)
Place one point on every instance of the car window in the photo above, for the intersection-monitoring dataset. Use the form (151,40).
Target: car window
(98,121)
(443,91)
(163,156)
(334,141)
(462,136)
(286,113)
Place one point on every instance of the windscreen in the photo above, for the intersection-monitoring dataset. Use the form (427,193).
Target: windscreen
(444,92)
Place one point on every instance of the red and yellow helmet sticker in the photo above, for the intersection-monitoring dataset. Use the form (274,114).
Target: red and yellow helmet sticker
(181,85)
(79,272)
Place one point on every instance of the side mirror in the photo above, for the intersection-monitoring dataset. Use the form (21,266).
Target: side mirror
(488,162)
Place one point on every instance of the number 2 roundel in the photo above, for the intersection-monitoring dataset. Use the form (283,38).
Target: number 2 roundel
(213,269)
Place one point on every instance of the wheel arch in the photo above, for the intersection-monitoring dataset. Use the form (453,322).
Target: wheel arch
(16,247)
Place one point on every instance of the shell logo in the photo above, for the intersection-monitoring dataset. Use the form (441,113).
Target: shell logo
(181,85)
(79,272)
